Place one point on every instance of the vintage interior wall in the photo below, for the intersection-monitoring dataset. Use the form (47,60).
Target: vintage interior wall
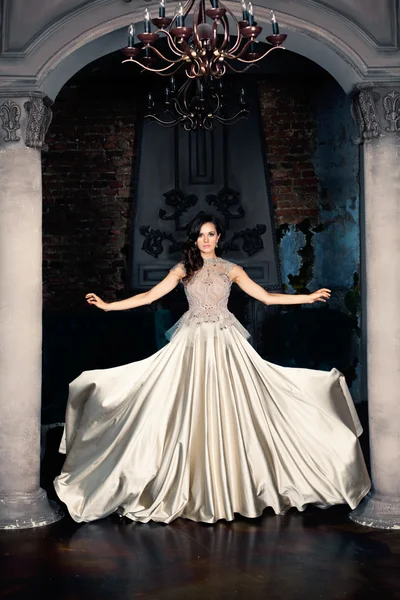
(89,173)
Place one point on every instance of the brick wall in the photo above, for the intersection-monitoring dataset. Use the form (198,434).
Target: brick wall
(87,194)
(87,182)
(290,132)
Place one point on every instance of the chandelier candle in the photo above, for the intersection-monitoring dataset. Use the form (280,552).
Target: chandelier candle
(251,14)
(180,19)
(161,9)
(245,15)
(131,34)
(275,26)
(147,24)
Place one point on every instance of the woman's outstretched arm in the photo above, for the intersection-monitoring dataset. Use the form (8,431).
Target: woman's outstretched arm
(239,276)
(158,291)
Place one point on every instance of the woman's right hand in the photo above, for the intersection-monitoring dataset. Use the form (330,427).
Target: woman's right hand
(96,301)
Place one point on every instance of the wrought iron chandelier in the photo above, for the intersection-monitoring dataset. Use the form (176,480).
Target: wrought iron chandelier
(203,47)
(196,105)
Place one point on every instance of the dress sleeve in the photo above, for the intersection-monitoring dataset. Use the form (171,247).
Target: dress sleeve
(228,266)
(179,266)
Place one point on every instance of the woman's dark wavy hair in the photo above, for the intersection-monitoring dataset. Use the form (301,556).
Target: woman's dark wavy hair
(192,259)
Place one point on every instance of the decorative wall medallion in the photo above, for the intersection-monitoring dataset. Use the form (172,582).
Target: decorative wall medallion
(252,241)
(181,203)
(10,114)
(391,104)
(224,201)
(154,238)
(39,119)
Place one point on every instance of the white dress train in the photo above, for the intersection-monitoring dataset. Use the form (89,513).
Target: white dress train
(205,428)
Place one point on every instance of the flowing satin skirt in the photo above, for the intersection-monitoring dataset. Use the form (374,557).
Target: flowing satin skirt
(205,428)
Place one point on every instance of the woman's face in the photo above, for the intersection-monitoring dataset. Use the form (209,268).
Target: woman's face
(208,238)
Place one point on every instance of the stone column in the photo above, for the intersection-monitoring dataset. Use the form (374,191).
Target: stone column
(377,110)
(23,124)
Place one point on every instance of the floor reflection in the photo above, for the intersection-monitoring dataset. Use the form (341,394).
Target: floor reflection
(316,554)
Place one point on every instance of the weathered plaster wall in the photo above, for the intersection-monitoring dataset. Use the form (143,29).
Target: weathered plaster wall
(326,252)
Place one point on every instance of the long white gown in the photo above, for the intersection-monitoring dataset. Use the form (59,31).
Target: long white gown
(205,428)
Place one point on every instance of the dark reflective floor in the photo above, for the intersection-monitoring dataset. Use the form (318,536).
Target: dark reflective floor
(316,554)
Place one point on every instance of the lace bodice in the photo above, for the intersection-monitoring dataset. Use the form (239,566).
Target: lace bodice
(208,290)
(208,293)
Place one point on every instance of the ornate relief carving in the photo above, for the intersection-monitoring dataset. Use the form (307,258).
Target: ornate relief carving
(391,104)
(154,238)
(10,114)
(224,201)
(39,119)
(252,241)
(181,203)
(370,120)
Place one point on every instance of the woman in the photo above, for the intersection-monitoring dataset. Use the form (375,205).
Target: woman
(205,428)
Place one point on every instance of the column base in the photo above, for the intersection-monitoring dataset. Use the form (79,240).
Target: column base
(377,511)
(25,511)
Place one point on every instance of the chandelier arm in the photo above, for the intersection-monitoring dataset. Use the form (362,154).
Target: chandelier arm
(202,11)
(262,56)
(164,123)
(171,43)
(227,121)
(225,41)
(186,48)
(233,56)
(170,73)
(179,110)
(216,69)
(144,68)
(207,124)
(193,71)
(187,7)
(238,71)
(168,60)
(239,36)
(196,38)
(182,92)
(217,103)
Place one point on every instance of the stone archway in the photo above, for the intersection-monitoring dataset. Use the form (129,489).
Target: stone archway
(48,60)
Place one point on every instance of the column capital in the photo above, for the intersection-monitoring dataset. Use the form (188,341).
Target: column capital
(376,110)
(24,119)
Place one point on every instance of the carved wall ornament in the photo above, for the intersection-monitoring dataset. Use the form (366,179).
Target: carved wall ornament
(154,238)
(39,119)
(365,114)
(252,242)
(391,104)
(181,203)
(10,114)
(224,201)
(368,108)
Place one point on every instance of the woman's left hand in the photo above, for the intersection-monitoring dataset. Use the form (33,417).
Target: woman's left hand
(321,295)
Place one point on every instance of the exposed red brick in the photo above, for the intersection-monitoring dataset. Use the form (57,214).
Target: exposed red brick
(87,196)
(290,135)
